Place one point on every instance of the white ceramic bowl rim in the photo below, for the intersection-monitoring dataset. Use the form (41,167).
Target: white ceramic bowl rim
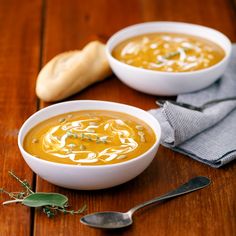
(24,126)
(168,23)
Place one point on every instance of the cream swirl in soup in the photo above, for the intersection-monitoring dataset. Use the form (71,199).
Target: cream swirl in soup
(90,138)
(169,52)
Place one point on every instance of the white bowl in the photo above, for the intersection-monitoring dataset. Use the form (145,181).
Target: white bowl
(88,177)
(168,83)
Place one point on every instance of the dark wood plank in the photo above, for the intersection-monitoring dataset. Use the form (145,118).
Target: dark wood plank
(218,14)
(211,211)
(19,57)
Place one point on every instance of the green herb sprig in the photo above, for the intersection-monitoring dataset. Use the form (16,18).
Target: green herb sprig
(173,54)
(50,203)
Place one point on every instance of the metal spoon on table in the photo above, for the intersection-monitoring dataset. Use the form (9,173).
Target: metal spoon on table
(161,102)
(115,220)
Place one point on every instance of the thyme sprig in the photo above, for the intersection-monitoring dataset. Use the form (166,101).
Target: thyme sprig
(173,54)
(50,203)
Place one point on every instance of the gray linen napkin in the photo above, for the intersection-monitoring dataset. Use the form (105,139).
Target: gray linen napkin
(208,136)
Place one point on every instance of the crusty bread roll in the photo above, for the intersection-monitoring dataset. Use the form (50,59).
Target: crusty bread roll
(70,72)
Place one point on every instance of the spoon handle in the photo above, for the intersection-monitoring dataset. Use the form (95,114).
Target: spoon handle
(192,185)
(161,102)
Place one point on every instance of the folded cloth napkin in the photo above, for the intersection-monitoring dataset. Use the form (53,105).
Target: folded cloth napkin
(208,136)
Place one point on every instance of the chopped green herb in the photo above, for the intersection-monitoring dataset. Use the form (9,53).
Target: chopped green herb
(61,120)
(72,135)
(97,139)
(68,133)
(173,54)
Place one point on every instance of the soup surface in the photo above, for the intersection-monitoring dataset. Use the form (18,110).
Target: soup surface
(92,137)
(169,52)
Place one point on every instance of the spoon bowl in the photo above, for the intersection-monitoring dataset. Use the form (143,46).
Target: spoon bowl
(107,220)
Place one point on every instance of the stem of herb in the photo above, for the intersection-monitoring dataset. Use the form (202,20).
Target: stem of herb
(12,201)
(8,193)
(72,212)
(23,183)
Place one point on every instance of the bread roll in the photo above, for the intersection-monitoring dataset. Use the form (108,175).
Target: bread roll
(70,72)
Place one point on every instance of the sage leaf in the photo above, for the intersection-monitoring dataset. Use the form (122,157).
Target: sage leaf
(45,199)
(50,203)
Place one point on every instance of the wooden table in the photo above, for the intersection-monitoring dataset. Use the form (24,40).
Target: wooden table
(32,32)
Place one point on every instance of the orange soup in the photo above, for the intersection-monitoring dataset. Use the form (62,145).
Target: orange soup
(169,52)
(92,137)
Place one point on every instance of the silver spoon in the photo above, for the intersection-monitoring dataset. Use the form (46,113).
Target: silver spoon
(115,220)
(160,102)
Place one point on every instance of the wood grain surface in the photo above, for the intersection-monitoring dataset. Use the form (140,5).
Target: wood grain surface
(32,32)
(19,65)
